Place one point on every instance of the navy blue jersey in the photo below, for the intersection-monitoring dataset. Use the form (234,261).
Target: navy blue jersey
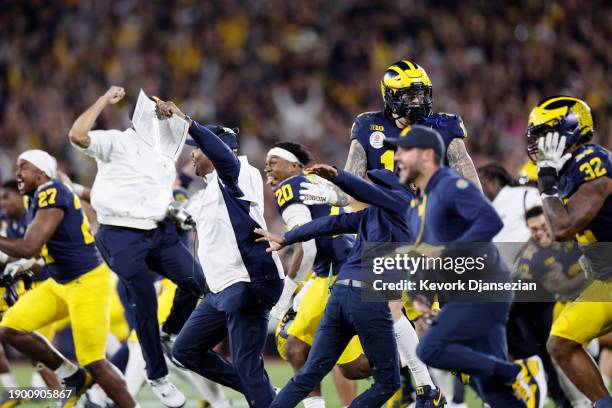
(370,129)
(331,250)
(12,228)
(70,252)
(588,163)
(536,261)
(384,221)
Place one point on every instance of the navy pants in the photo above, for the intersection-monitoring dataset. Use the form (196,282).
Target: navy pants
(470,337)
(131,253)
(241,310)
(346,315)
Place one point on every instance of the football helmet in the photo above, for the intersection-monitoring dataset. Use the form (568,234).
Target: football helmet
(407,91)
(569,116)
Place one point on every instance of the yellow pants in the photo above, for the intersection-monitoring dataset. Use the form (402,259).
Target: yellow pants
(309,316)
(584,320)
(85,301)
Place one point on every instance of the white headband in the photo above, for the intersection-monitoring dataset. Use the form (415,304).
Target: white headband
(283,154)
(41,159)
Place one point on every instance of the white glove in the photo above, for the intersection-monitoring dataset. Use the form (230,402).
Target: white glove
(3,257)
(313,194)
(550,152)
(20,265)
(284,302)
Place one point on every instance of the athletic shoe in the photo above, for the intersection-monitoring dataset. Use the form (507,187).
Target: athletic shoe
(167,393)
(10,403)
(427,397)
(78,382)
(530,385)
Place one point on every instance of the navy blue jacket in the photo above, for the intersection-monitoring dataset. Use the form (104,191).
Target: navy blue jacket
(223,158)
(383,222)
(455,211)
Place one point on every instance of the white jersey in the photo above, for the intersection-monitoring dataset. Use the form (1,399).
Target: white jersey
(511,203)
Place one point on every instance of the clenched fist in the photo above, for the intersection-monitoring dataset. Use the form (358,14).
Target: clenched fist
(114,94)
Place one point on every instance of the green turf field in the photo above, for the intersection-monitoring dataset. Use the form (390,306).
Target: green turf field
(279,372)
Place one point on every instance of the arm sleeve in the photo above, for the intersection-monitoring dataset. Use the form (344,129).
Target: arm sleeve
(100,144)
(475,208)
(295,215)
(225,161)
(370,193)
(330,225)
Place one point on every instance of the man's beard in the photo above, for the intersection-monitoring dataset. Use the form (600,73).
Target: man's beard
(410,176)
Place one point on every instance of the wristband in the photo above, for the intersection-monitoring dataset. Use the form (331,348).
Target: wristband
(547,181)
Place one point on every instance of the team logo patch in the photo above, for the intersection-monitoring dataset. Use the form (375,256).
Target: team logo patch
(462,184)
(376,139)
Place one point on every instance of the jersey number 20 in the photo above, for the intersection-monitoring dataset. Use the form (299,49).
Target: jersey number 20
(284,194)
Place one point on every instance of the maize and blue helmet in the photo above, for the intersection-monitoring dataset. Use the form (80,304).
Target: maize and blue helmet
(569,116)
(404,83)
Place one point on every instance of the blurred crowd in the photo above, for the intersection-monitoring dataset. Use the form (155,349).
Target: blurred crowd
(296,70)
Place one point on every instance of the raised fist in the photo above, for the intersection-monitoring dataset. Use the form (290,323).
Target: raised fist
(114,94)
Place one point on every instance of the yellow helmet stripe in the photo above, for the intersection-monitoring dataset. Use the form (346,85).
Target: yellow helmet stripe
(410,64)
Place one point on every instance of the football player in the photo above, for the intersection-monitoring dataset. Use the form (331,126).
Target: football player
(555,268)
(574,178)
(407,94)
(13,224)
(407,100)
(79,288)
(324,255)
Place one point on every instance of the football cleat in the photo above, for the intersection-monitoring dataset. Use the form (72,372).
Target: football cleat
(10,402)
(529,385)
(427,397)
(167,393)
(80,383)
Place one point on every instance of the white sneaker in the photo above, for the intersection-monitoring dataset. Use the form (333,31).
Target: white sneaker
(167,393)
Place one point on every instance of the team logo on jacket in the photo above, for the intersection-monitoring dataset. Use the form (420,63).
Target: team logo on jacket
(462,184)
(376,139)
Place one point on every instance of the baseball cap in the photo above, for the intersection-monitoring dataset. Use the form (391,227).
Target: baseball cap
(418,136)
(227,135)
